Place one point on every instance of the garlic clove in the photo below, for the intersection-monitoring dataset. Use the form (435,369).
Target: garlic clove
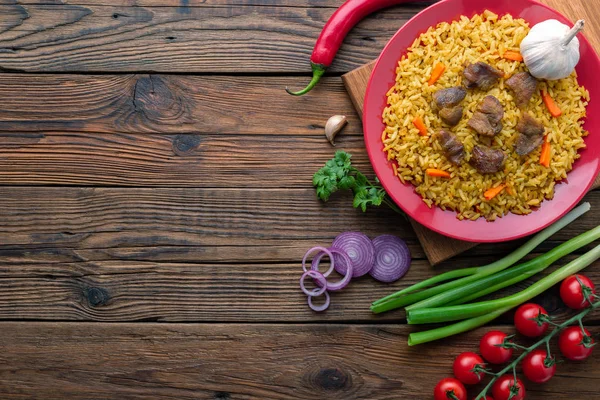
(333,126)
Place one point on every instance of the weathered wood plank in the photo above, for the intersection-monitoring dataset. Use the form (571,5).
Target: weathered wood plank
(190,160)
(194,3)
(194,225)
(172,104)
(191,224)
(134,291)
(222,36)
(169,253)
(110,291)
(214,361)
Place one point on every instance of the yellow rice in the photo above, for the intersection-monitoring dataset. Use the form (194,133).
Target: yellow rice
(481,38)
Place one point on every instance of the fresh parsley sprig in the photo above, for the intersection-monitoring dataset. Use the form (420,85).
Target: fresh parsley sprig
(339,174)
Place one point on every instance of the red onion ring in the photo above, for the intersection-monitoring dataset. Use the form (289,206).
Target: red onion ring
(332,287)
(322,307)
(359,249)
(316,261)
(392,258)
(315,267)
(319,278)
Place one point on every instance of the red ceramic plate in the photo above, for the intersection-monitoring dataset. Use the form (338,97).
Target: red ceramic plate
(511,226)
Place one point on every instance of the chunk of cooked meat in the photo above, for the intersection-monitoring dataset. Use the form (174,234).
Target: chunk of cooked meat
(529,125)
(524,85)
(487,160)
(451,115)
(526,144)
(487,119)
(449,97)
(446,101)
(453,148)
(531,134)
(492,108)
(481,75)
(481,124)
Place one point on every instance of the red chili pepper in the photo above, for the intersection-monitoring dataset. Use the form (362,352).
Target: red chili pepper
(334,32)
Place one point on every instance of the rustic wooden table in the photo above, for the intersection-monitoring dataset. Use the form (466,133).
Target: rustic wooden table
(156,200)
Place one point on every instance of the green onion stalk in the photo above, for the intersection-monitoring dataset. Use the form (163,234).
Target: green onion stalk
(460,278)
(509,276)
(477,314)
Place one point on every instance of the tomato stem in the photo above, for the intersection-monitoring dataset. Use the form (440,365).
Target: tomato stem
(541,319)
(514,388)
(507,343)
(585,290)
(450,394)
(548,351)
(479,369)
(544,341)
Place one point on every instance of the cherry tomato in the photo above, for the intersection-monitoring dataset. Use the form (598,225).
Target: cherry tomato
(448,387)
(525,320)
(490,349)
(505,386)
(571,343)
(535,367)
(463,368)
(571,291)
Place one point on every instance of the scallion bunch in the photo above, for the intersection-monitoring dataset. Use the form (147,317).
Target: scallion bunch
(443,298)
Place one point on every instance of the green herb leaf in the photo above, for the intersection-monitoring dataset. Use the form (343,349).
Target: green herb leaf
(339,174)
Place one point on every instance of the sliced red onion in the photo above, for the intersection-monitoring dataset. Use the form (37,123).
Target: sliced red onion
(323,306)
(316,261)
(359,249)
(392,258)
(315,267)
(347,273)
(319,278)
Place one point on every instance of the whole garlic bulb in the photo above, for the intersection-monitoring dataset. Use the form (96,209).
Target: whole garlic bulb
(551,49)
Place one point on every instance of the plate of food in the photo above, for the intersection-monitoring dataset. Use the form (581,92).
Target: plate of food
(481,118)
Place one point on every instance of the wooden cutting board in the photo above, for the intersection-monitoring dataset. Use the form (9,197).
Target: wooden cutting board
(438,247)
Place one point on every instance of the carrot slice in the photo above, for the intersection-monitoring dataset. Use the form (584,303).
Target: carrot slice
(512,55)
(438,173)
(493,192)
(550,104)
(438,70)
(545,155)
(420,125)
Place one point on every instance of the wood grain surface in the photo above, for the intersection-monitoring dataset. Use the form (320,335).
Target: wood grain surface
(181,36)
(172,104)
(215,361)
(179,160)
(228,225)
(156,201)
(174,254)
(126,291)
(438,247)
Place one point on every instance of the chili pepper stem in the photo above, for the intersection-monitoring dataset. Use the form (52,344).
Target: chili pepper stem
(318,71)
(575,319)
